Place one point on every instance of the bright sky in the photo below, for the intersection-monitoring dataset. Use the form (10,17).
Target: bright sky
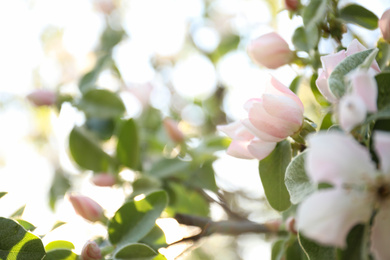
(26,63)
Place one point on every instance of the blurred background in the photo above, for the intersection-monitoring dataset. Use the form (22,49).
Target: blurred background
(185,56)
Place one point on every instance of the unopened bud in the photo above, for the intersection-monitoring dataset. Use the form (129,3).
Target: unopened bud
(86,207)
(103,179)
(270,50)
(91,251)
(292,5)
(42,97)
(290,225)
(172,129)
(384,25)
(273,225)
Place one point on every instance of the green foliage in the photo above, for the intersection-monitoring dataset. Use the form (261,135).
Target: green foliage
(315,12)
(17,243)
(59,187)
(272,170)
(137,251)
(103,127)
(297,182)
(355,245)
(135,219)
(294,86)
(228,43)
(305,38)
(336,78)
(61,254)
(384,54)
(128,150)
(59,244)
(2,194)
(101,103)
(315,251)
(18,212)
(359,15)
(87,153)
(383,82)
(87,82)
(26,225)
(155,238)
(170,168)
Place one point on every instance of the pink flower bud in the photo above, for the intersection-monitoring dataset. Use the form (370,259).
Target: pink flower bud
(384,25)
(91,251)
(103,179)
(290,225)
(42,97)
(292,5)
(86,207)
(270,50)
(172,129)
(271,118)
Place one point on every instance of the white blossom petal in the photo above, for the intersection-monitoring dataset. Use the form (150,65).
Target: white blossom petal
(336,158)
(352,112)
(328,215)
(380,235)
(382,148)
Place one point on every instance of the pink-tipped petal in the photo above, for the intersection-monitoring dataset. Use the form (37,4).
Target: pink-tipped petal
(260,149)
(236,130)
(352,112)
(329,62)
(323,87)
(284,108)
(258,133)
(271,125)
(239,149)
(277,88)
(328,215)
(336,158)
(382,149)
(364,85)
(384,25)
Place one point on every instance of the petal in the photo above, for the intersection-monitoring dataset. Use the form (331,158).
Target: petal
(236,131)
(277,88)
(269,124)
(329,62)
(380,234)
(258,133)
(283,107)
(260,149)
(354,47)
(352,112)
(336,158)
(382,149)
(364,85)
(239,149)
(322,85)
(328,215)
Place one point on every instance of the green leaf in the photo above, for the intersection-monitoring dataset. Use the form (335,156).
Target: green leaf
(170,167)
(305,38)
(128,150)
(317,94)
(59,187)
(137,252)
(294,86)
(135,219)
(314,251)
(110,38)
(382,114)
(26,225)
(383,83)
(187,201)
(87,153)
(298,184)
(2,194)
(272,170)
(17,243)
(155,238)
(59,244)
(204,177)
(326,121)
(228,43)
(103,127)
(384,53)
(277,250)
(19,212)
(359,15)
(315,12)
(336,78)
(61,254)
(101,103)
(145,185)
(57,224)
(355,245)
(87,82)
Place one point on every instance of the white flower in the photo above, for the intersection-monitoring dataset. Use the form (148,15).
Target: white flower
(359,190)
